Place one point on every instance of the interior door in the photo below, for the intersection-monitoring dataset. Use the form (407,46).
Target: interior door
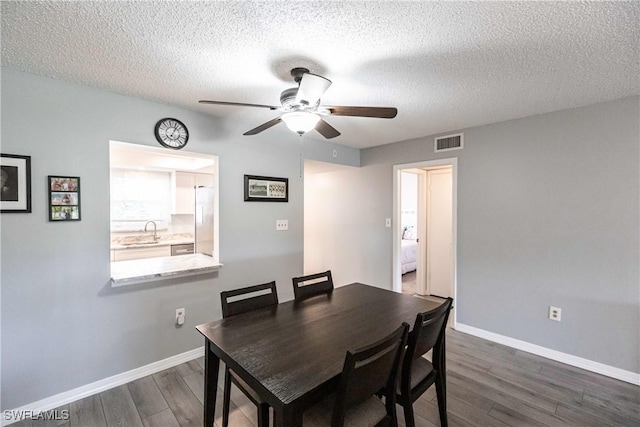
(439,232)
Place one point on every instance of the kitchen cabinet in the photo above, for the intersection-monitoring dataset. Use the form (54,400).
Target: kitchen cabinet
(183,199)
(183,184)
(140,253)
(204,179)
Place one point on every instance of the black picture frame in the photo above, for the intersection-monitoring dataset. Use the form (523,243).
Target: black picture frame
(15,184)
(64,198)
(265,189)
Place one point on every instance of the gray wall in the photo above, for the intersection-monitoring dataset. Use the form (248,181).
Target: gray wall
(548,214)
(62,325)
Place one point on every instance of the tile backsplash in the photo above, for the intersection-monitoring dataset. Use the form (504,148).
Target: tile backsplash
(179,225)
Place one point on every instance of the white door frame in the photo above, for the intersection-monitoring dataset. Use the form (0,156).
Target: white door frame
(421,253)
(397,229)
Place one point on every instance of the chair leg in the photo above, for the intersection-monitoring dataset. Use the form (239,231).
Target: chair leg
(441,394)
(226,400)
(263,415)
(390,405)
(409,420)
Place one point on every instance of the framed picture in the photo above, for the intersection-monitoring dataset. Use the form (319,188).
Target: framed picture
(265,189)
(64,198)
(15,188)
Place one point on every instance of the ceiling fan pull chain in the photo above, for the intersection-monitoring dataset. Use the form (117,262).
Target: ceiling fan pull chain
(301,157)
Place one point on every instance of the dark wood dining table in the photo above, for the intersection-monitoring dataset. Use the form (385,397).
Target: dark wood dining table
(292,354)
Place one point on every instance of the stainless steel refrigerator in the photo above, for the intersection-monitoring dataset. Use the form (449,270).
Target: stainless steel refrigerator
(203,219)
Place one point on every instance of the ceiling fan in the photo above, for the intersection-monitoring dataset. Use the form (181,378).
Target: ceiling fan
(302,109)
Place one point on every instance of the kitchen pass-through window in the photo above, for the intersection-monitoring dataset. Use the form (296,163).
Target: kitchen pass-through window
(163,202)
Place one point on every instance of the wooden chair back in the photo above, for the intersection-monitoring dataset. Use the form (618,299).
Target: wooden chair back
(313,284)
(266,295)
(427,333)
(369,370)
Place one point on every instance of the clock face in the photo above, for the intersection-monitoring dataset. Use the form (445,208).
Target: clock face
(172,133)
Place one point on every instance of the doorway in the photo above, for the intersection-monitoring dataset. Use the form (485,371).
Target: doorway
(425,195)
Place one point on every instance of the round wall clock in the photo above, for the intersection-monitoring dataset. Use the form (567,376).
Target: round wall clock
(171,133)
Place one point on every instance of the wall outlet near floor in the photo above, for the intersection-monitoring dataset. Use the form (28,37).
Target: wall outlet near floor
(282,224)
(180,316)
(555,313)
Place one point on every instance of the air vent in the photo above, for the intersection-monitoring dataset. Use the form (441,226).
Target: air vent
(449,142)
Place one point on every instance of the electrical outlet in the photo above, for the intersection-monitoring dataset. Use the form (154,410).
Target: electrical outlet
(180,316)
(282,224)
(555,313)
(335,153)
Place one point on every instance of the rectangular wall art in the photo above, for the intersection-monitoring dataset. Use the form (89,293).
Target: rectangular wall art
(15,183)
(265,189)
(64,198)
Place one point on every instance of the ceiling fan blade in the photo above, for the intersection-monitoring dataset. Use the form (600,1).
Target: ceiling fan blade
(264,126)
(377,112)
(238,104)
(311,89)
(326,130)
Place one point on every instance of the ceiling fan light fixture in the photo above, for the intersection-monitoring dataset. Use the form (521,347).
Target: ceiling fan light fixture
(300,121)
(311,89)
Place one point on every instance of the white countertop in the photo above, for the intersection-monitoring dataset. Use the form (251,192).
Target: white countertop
(144,270)
(143,241)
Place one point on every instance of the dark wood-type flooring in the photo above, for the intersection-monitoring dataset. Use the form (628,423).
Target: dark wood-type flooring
(488,385)
(409,283)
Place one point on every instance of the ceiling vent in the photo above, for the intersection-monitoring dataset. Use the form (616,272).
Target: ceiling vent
(449,142)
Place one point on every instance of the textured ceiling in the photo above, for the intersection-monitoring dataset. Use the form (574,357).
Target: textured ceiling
(444,65)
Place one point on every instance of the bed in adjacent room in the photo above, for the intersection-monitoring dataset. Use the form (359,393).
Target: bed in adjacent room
(409,248)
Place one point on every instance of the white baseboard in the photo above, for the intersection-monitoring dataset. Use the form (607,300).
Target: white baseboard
(578,362)
(63,398)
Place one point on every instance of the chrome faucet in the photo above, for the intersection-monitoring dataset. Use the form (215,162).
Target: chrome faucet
(155,230)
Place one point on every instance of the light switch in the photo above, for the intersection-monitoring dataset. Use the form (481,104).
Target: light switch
(387,222)
(282,224)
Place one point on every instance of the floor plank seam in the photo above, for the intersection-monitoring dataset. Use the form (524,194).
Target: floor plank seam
(104,413)
(137,409)
(491,407)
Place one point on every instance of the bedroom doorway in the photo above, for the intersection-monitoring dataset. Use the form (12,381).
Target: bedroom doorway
(424,253)
(411,182)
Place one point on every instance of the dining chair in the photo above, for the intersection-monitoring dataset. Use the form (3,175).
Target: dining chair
(311,285)
(367,372)
(265,295)
(417,374)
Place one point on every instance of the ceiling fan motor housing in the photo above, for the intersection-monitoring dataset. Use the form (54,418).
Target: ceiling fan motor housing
(288,100)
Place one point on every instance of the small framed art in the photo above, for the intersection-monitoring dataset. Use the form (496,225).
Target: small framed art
(265,189)
(64,198)
(15,183)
